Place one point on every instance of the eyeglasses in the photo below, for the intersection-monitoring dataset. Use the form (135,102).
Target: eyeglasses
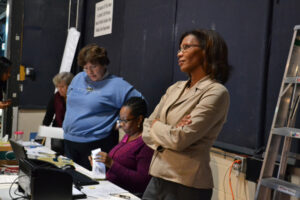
(125,121)
(89,68)
(186,47)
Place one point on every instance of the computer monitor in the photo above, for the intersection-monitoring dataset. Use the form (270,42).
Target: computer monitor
(18,149)
(43,180)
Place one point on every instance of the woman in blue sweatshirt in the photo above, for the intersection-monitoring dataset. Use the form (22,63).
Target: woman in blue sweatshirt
(94,100)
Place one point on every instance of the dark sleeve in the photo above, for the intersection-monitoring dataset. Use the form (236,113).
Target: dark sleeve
(49,113)
(59,109)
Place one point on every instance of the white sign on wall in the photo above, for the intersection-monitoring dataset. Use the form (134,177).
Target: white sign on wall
(103,18)
(70,49)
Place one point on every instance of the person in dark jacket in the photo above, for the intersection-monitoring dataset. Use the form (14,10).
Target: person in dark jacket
(5,67)
(57,107)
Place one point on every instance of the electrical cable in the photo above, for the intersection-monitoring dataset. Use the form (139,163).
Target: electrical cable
(24,197)
(11,187)
(15,192)
(236,161)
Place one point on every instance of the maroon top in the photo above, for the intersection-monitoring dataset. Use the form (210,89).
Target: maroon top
(131,165)
(57,106)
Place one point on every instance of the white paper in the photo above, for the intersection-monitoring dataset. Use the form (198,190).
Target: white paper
(83,170)
(29,144)
(39,151)
(98,170)
(5,138)
(7,178)
(75,191)
(51,132)
(104,190)
(70,49)
(103,18)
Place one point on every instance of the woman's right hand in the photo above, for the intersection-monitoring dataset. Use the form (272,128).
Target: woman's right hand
(104,158)
(186,120)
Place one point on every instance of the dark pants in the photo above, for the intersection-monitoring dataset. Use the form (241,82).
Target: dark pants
(160,189)
(79,152)
(57,145)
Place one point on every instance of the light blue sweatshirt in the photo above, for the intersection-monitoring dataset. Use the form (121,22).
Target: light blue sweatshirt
(93,106)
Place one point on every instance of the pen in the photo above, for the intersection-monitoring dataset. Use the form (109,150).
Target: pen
(121,196)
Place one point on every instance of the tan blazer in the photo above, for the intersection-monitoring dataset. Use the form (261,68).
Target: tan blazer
(182,154)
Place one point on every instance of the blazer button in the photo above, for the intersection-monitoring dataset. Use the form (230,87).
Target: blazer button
(160,149)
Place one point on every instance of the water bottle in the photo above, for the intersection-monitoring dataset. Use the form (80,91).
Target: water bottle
(18,135)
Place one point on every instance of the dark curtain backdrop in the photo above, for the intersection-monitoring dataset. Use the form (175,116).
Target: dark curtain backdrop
(143,46)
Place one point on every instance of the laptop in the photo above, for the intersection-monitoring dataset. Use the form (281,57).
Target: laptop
(18,149)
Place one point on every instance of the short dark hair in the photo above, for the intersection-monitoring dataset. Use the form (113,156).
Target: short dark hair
(216,53)
(137,105)
(5,64)
(94,54)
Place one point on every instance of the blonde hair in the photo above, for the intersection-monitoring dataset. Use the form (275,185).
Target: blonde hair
(65,77)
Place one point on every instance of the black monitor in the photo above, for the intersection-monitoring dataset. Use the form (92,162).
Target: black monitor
(18,149)
(45,182)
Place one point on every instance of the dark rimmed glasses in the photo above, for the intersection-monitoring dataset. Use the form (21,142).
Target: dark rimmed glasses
(186,47)
(125,121)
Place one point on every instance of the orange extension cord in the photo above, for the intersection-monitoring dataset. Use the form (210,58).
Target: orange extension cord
(236,161)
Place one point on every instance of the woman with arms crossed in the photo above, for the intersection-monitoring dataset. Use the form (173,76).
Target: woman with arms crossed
(188,119)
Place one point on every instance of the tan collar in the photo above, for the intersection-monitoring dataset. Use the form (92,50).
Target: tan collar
(201,84)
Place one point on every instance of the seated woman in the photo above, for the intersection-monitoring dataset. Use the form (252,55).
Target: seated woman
(57,106)
(128,162)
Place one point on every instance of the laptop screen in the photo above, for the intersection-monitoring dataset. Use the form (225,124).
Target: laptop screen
(18,149)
